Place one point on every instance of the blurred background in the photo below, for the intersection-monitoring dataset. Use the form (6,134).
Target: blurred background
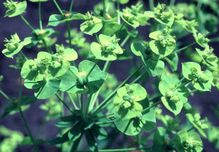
(34,115)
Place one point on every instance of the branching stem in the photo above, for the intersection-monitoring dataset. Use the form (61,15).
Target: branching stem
(27,23)
(63,102)
(107,99)
(40,16)
(58,7)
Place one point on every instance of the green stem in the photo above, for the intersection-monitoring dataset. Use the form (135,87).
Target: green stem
(118,14)
(91,70)
(190,129)
(82,104)
(125,40)
(95,95)
(63,102)
(153,105)
(106,66)
(216,39)
(104,7)
(155,97)
(46,46)
(5,96)
(93,99)
(138,78)
(122,149)
(40,16)
(172,2)
(22,116)
(20,88)
(79,101)
(104,122)
(26,22)
(108,116)
(75,144)
(58,7)
(185,47)
(97,38)
(199,11)
(27,127)
(73,102)
(139,140)
(69,33)
(31,27)
(71,6)
(107,99)
(23,55)
(151,4)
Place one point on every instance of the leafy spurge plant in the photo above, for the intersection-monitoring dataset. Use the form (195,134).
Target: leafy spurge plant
(91,104)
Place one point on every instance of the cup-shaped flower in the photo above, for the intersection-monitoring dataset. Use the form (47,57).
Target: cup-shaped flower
(173,94)
(133,126)
(190,141)
(65,53)
(201,39)
(164,15)
(14,8)
(86,78)
(201,80)
(91,25)
(43,37)
(135,16)
(107,49)
(200,124)
(162,43)
(57,19)
(43,73)
(127,101)
(14,45)
(208,58)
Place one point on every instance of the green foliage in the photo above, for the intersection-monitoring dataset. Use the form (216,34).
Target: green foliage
(162,42)
(86,78)
(109,85)
(14,8)
(201,80)
(127,99)
(57,19)
(200,125)
(43,38)
(11,141)
(173,93)
(89,103)
(23,102)
(91,24)
(107,49)
(14,45)
(135,16)
(38,0)
(190,141)
(43,73)
(53,109)
(163,15)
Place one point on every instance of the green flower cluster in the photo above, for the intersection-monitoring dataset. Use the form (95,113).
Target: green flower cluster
(107,49)
(42,74)
(14,45)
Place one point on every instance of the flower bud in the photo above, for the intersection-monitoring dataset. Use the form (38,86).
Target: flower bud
(126,104)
